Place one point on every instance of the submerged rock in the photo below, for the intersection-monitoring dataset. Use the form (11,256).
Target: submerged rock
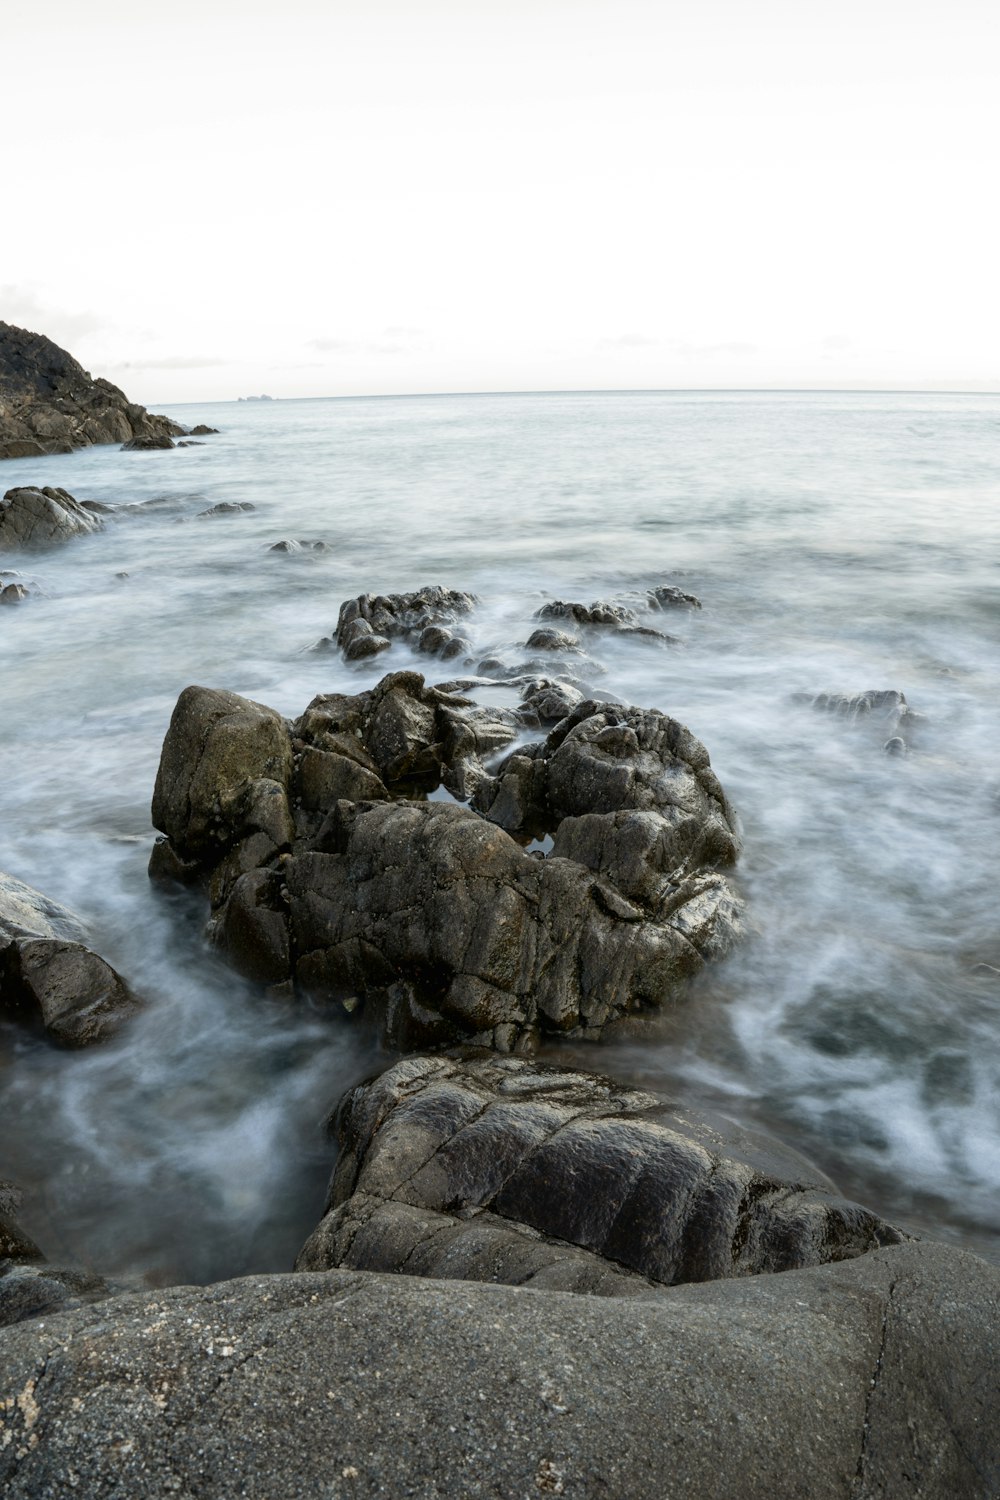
(324,866)
(49,976)
(299,544)
(485,1168)
(886,709)
(50,404)
(29,1286)
(148,442)
(33,517)
(226,508)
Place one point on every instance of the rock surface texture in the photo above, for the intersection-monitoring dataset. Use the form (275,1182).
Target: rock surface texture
(872,1379)
(326,865)
(486,1168)
(48,975)
(31,517)
(29,1286)
(49,403)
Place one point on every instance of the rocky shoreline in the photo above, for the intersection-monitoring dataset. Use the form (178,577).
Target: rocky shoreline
(527,1278)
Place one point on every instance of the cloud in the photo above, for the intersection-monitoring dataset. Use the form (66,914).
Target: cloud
(171,362)
(394,340)
(628,341)
(679,348)
(25,309)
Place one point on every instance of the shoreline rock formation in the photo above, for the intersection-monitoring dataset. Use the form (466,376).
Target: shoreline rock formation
(50,404)
(327,867)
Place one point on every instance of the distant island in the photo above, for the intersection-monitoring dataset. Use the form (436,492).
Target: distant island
(255,398)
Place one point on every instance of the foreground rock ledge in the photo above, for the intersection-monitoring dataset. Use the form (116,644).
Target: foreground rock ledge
(873,1378)
(327,866)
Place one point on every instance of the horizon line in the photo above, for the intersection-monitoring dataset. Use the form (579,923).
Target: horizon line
(706,390)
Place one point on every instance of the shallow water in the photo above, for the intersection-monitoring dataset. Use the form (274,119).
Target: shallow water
(839,543)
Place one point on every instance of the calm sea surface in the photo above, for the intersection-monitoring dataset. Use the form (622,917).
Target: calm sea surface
(839,543)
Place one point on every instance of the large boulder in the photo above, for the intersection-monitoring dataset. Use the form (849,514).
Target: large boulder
(49,977)
(33,517)
(486,1168)
(50,404)
(326,866)
(874,1379)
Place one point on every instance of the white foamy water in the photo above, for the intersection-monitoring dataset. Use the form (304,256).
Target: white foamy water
(839,543)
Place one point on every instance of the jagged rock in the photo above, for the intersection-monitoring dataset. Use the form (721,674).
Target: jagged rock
(33,517)
(48,975)
(147,442)
(370,623)
(13,593)
(322,868)
(668,597)
(202,431)
(599,613)
(49,403)
(485,1168)
(550,701)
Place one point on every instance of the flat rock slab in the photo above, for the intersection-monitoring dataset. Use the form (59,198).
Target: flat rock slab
(875,1378)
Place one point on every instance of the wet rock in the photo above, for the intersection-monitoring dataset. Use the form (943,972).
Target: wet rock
(598,613)
(29,1287)
(13,593)
(48,975)
(301,544)
(50,404)
(323,864)
(885,709)
(550,701)
(147,442)
(226,508)
(384,618)
(33,517)
(668,597)
(202,431)
(500,1169)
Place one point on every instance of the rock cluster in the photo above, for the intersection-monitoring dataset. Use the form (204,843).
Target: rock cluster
(48,975)
(50,404)
(369,624)
(486,1168)
(884,708)
(326,866)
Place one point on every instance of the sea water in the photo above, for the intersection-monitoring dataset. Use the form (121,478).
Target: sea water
(839,543)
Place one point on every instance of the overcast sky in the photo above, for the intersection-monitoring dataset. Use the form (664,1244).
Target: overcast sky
(359,196)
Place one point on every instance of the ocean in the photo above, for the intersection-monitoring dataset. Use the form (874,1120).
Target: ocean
(839,543)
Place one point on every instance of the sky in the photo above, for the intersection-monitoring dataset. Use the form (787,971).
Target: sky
(204,201)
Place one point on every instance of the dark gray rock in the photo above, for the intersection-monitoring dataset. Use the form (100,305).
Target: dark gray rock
(301,544)
(370,623)
(874,1379)
(49,403)
(324,865)
(49,977)
(226,508)
(202,431)
(885,710)
(13,593)
(668,597)
(486,1168)
(148,442)
(599,613)
(32,517)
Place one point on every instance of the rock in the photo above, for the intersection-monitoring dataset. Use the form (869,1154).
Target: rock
(887,709)
(668,597)
(432,914)
(33,517)
(147,442)
(421,617)
(599,613)
(13,593)
(301,545)
(49,976)
(549,701)
(15,1245)
(226,508)
(49,403)
(552,640)
(29,1287)
(485,1168)
(874,1378)
(202,431)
